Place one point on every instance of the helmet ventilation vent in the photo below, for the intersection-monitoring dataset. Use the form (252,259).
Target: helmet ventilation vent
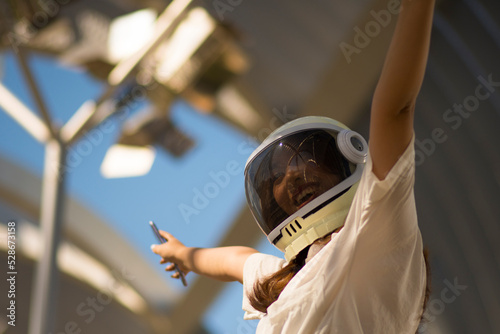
(293,228)
(298,225)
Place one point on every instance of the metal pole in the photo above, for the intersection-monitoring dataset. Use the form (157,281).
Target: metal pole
(35,92)
(44,299)
(23,115)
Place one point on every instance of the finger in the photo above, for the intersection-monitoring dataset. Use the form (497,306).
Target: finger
(166,235)
(170,267)
(177,275)
(154,248)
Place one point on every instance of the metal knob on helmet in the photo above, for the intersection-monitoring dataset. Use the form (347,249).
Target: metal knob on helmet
(353,146)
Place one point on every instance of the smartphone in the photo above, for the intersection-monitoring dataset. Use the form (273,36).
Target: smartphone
(163,240)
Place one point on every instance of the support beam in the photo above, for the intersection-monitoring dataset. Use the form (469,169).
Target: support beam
(35,92)
(23,115)
(43,304)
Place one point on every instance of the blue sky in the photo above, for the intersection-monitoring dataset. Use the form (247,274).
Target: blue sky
(127,204)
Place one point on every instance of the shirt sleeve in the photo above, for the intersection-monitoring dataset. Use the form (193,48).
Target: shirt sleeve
(387,206)
(401,175)
(256,267)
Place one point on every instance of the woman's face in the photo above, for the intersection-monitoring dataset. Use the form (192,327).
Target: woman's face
(302,179)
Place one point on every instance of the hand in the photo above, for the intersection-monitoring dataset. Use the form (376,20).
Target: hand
(221,263)
(172,251)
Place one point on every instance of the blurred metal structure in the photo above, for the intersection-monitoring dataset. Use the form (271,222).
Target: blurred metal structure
(93,261)
(298,67)
(186,65)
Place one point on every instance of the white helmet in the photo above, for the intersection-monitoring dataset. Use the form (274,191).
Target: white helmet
(301,180)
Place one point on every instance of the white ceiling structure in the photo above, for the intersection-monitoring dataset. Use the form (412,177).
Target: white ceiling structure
(297,67)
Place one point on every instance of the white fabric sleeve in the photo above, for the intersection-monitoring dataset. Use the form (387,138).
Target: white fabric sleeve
(384,215)
(257,266)
(400,175)
(388,204)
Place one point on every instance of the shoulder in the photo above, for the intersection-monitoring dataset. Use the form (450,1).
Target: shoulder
(401,175)
(259,265)
(383,209)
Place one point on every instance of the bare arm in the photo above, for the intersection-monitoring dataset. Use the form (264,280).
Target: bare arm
(222,263)
(391,124)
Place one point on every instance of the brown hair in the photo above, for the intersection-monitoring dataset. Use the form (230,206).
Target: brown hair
(266,291)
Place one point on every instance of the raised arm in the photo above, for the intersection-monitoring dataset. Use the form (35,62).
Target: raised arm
(222,263)
(391,124)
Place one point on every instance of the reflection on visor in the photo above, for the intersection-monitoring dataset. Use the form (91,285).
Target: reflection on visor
(291,173)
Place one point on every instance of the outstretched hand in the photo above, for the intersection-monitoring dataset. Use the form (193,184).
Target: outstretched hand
(171,252)
(220,263)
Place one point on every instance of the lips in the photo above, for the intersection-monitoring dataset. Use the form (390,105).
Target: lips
(304,195)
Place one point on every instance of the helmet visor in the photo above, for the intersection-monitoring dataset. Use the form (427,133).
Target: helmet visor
(291,172)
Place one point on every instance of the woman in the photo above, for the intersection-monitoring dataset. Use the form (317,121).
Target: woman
(343,214)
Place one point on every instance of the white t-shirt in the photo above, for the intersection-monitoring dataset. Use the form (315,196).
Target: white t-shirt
(370,278)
